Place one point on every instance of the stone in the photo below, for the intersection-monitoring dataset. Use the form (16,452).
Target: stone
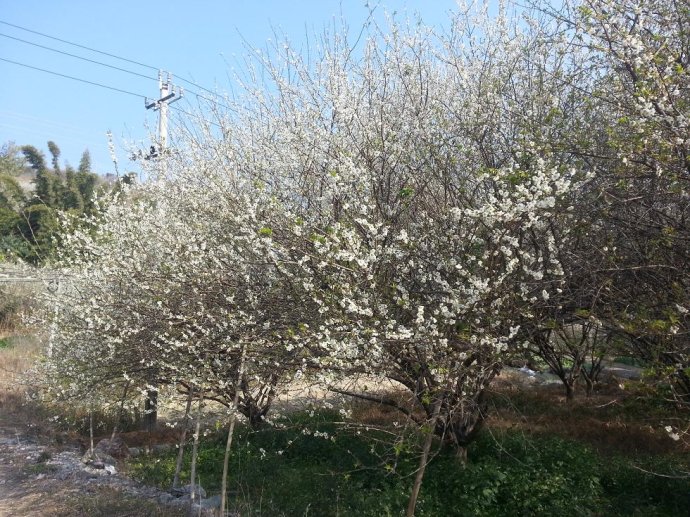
(187,489)
(165,498)
(211,502)
(97,459)
(116,448)
(198,490)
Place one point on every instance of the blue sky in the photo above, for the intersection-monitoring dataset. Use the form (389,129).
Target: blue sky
(197,41)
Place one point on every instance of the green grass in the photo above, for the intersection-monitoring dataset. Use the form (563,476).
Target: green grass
(630,361)
(109,502)
(4,343)
(362,474)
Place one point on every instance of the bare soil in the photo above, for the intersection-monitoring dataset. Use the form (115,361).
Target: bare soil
(40,469)
(41,477)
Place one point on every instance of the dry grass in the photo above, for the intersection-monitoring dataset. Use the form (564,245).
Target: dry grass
(617,422)
(613,421)
(380,414)
(16,358)
(16,299)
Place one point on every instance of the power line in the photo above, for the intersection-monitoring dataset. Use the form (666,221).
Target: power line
(78,57)
(176,108)
(107,65)
(198,86)
(73,78)
(213,101)
(80,46)
(100,85)
(193,115)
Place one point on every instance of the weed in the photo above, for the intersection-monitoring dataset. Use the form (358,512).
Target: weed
(113,503)
(630,361)
(43,457)
(287,471)
(41,468)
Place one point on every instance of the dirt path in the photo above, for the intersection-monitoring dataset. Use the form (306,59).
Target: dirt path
(27,485)
(39,478)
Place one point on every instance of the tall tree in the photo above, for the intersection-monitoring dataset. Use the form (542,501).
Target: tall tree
(55,153)
(85,162)
(45,181)
(11,164)
(72,197)
(35,158)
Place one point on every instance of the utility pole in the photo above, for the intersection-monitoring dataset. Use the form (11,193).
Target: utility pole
(168,95)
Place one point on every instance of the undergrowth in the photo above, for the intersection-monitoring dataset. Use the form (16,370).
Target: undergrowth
(344,472)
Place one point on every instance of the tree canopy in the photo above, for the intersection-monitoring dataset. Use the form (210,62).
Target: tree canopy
(420,213)
(29,220)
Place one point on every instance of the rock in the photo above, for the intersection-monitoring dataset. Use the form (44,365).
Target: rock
(180,502)
(98,459)
(527,371)
(134,452)
(165,498)
(116,448)
(110,469)
(211,502)
(183,492)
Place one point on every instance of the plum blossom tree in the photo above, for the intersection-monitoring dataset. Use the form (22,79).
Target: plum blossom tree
(638,233)
(412,210)
(156,296)
(417,194)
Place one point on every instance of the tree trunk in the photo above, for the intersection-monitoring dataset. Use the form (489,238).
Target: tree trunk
(183,439)
(461,426)
(151,410)
(423,460)
(589,386)
(569,392)
(120,411)
(461,454)
(91,433)
(231,432)
(195,452)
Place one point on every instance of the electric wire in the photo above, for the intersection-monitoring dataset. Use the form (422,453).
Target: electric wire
(78,45)
(100,85)
(91,49)
(172,106)
(79,57)
(73,78)
(196,85)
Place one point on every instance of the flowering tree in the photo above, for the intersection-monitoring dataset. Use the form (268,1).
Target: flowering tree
(638,206)
(414,210)
(421,201)
(159,296)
